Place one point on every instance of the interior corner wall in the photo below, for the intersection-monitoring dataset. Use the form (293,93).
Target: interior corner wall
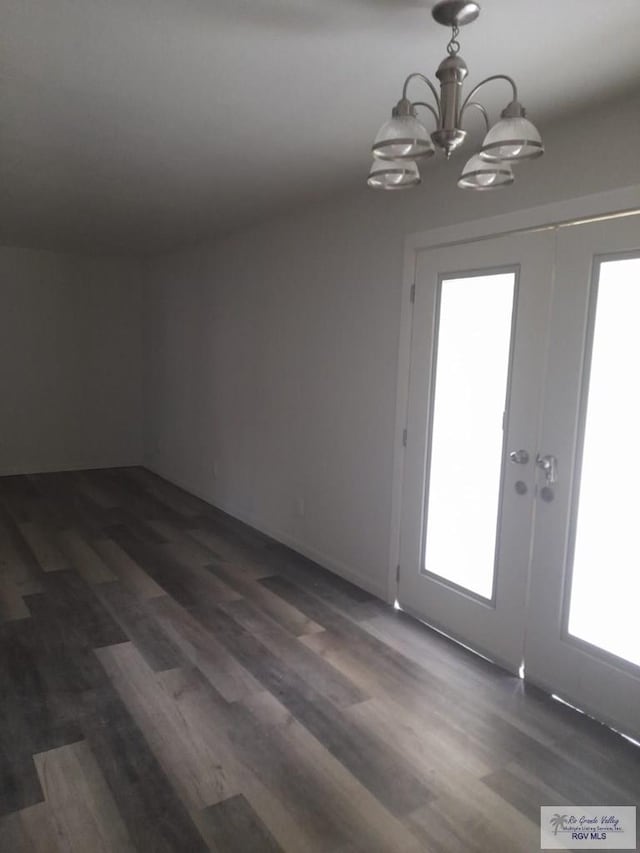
(271,355)
(70,362)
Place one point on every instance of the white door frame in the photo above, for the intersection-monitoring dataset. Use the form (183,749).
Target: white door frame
(610,203)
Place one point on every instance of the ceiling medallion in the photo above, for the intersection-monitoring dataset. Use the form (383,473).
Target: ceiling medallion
(403,139)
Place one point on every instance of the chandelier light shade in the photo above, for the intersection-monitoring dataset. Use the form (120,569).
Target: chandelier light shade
(394,174)
(479,174)
(404,139)
(512,139)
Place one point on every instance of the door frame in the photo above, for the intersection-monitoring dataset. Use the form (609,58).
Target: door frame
(583,208)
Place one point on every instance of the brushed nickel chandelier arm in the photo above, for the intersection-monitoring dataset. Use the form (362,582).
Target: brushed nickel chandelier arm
(417,76)
(482,83)
(435,114)
(469,104)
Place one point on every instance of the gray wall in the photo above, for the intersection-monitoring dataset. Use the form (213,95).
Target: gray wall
(272,354)
(70,362)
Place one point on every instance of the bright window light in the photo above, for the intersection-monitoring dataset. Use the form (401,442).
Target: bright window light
(606,566)
(474,335)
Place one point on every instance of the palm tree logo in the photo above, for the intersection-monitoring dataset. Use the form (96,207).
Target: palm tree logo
(557,821)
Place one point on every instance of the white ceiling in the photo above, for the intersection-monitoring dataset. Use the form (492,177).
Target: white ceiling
(145,124)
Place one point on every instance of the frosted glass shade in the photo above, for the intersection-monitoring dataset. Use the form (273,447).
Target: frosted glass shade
(393,175)
(403,137)
(478,174)
(512,139)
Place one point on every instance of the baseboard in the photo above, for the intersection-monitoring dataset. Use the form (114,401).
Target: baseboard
(337,567)
(76,465)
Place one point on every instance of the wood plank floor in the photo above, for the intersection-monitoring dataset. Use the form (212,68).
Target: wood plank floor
(171,680)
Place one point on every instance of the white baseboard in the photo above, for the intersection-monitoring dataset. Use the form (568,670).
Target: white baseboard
(377,588)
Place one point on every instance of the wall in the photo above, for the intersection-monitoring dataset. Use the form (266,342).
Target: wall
(70,362)
(272,354)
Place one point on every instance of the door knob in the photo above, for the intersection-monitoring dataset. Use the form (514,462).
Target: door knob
(519,457)
(549,465)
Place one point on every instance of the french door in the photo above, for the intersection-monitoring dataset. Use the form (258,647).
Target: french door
(521,488)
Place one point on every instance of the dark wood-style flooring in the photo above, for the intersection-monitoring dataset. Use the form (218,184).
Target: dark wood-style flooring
(171,680)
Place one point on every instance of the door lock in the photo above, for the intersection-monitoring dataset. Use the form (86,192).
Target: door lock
(549,465)
(519,457)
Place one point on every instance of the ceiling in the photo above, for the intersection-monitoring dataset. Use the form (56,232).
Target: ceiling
(148,124)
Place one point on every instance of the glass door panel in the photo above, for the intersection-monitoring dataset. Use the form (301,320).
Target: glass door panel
(606,559)
(475,315)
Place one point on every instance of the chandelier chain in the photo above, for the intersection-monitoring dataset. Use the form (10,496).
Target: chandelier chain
(453,47)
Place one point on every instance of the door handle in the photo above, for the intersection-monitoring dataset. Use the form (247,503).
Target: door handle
(519,457)
(549,465)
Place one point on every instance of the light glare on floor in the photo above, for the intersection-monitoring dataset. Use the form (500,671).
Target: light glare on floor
(626,737)
(564,702)
(584,713)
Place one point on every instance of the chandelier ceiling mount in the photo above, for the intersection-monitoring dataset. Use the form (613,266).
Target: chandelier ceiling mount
(455,13)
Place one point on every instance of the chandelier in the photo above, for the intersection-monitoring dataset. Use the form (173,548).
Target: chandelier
(404,140)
